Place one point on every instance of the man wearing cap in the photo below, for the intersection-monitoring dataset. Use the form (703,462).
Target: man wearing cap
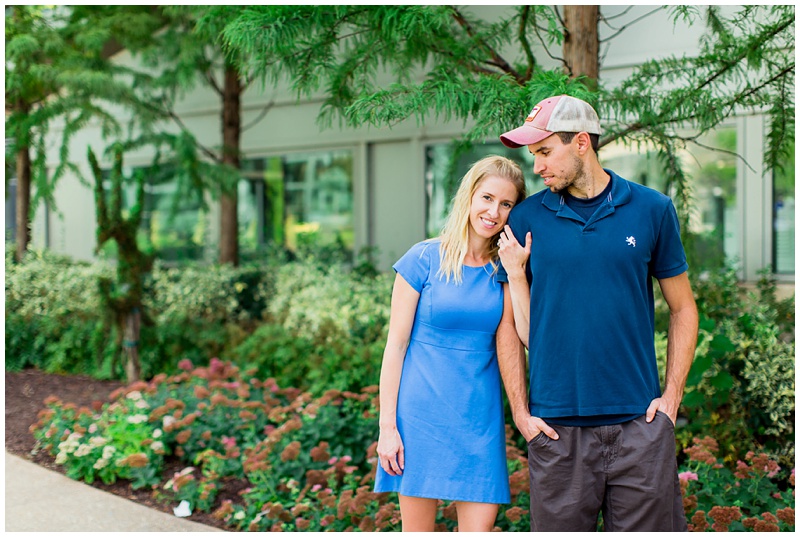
(600,430)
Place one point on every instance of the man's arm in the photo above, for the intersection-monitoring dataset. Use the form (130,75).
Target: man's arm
(515,257)
(511,358)
(681,343)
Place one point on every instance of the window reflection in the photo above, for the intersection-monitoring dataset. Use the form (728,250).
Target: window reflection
(783,218)
(712,237)
(298,200)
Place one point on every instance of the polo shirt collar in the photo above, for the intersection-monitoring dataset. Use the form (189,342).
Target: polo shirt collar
(620,194)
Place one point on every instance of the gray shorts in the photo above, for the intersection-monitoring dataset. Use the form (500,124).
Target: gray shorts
(627,471)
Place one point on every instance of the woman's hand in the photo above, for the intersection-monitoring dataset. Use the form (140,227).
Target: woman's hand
(390,451)
(512,254)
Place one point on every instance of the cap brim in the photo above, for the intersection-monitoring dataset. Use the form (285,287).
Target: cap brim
(523,136)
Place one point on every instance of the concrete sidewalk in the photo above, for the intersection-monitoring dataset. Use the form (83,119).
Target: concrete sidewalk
(42,500)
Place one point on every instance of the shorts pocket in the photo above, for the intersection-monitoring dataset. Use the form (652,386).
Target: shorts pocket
(537,439)
(666,418)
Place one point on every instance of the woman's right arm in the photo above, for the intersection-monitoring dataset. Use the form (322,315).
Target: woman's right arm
(404,306)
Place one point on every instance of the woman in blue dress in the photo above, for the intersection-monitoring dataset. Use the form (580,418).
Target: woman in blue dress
(442,432)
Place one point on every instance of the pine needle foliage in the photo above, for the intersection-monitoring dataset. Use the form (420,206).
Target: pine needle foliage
(381,65)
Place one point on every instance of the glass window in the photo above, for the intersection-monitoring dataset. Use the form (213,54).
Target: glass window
(298,199)
(783,219)
(713,234)
(712,237)
(441,182)
(173,223)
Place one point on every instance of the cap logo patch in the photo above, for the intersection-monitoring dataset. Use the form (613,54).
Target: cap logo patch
(533,113)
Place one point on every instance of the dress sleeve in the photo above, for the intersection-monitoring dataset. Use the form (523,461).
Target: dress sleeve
(415,265)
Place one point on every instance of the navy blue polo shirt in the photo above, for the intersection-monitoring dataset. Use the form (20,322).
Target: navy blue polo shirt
(592,315)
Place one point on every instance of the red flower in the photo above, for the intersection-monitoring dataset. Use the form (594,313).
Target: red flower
(699,521)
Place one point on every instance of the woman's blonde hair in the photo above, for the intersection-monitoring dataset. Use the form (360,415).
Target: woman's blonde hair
(455,232)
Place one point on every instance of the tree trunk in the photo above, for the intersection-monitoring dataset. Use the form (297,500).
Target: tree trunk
(133,321)
(581,42)
(231,131)
(23,231)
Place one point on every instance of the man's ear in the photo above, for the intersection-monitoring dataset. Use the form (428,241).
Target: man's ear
(583,142)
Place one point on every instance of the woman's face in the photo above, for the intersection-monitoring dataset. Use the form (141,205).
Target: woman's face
(492,201)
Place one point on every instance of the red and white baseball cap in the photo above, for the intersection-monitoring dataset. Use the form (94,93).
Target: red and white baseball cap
(554,114)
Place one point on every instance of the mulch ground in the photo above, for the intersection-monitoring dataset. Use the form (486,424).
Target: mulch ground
(25,395)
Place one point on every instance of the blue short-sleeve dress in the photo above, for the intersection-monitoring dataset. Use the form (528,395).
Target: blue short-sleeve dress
(449,405)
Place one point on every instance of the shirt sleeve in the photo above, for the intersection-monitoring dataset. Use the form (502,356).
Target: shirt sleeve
(669,257)
(415,265)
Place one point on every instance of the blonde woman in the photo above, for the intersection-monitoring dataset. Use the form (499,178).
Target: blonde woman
(442,433)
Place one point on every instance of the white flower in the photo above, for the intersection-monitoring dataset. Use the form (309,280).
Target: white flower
(138,418)
(157,433)
(83,449)
(239,515)
(168,420)
(61,458)
(100,464)
(157,446)
(98,441)
(141,404)
(134,395)
(93,428)
(108,451)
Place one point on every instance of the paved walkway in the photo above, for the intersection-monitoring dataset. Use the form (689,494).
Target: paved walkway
(43,500)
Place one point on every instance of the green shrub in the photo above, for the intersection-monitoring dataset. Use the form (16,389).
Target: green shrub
(327,303)
(338,363)
(55,319)
(740,388)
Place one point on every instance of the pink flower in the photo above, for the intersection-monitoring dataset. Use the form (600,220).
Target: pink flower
(333,460)
(316,487)
(688,476)
(185,364)
(228,442)
(347,458)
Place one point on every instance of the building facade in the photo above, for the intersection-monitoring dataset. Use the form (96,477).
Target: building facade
(388,188)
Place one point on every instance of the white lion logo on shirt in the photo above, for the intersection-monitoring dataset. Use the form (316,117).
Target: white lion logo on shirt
(631,241)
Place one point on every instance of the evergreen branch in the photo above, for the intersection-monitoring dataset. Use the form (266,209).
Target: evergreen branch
(209,76)
(756,43)
(523,38)
(544,44)
(634,21)
(496,60)
(785,71)
(605,19)
(560,18)
(207,152)
(264,112)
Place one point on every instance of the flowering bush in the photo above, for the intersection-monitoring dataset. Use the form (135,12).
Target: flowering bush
(757,495)
(308,462)
(324,303)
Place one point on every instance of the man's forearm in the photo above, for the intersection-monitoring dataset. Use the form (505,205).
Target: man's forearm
(521,301)
(681,343)
(511,358)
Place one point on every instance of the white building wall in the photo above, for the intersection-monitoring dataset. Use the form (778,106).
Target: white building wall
(389,163)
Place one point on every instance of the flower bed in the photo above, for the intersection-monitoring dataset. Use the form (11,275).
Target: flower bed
(309,462)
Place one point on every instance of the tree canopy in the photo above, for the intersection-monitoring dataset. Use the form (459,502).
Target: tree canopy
(381,65)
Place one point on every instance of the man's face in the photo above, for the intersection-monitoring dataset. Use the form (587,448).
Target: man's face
(557,163)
